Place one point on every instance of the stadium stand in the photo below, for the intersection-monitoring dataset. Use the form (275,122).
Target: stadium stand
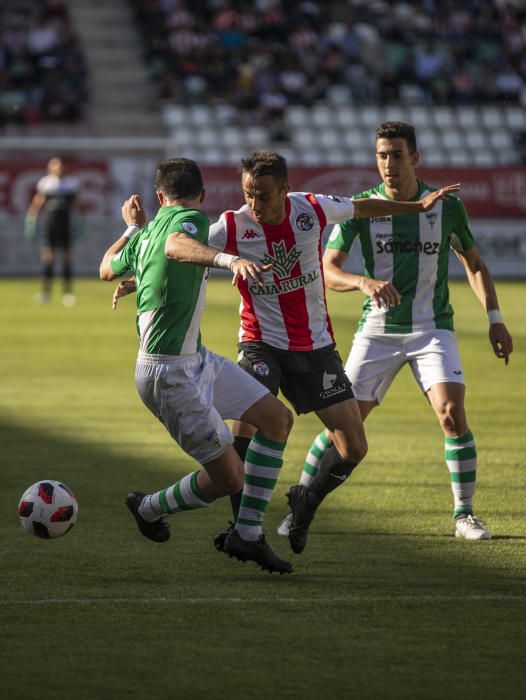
(309,73)
(43,75)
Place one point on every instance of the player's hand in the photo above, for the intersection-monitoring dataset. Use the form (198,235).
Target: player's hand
(383,293)
(133,211)
(501,341)
(247,270)
(431,199)
(123,288)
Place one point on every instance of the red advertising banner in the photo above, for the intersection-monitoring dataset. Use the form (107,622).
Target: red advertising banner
(487,193)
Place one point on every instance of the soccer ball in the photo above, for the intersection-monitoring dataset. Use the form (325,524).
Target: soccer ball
(48,509)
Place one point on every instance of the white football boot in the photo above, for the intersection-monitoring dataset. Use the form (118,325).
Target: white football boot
(471,528)
(284,526)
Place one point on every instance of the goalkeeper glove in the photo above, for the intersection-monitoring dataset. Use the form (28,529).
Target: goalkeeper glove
(30,227)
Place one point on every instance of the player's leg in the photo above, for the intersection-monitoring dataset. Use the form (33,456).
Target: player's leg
(311,467)
(259,363)
(436,366)
(337,464)
(322,442)
(370,368)
(68,298)
(460,452)
(179,393)
(259,413)
(239,396)
(47,273)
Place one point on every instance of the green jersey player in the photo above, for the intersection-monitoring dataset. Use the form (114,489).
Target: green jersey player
(407,319)
(190,389)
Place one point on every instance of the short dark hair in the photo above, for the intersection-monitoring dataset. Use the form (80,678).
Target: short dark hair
(398,130)
(179,178)
(266,163)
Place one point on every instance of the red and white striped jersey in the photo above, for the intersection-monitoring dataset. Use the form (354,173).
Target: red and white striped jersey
(289,311)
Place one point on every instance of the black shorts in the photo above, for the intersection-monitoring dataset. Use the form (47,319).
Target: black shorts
(310,380)
(59,230)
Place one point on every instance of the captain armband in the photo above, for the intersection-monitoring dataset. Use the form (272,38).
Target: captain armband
(224,261)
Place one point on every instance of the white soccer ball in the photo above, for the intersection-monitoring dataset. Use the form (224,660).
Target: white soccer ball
(48,509)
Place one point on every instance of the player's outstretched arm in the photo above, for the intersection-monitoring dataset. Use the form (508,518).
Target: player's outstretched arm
(381,291)
(182,248)
(481,282)
(366,207)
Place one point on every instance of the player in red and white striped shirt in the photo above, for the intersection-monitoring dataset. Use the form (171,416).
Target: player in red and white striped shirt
(286,339)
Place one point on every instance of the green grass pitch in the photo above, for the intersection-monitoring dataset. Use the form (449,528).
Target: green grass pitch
(384,602)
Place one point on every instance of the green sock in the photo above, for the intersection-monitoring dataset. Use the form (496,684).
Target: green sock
(461,460)
(313,459)
(262,467)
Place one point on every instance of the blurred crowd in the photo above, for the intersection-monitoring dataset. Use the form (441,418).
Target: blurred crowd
(42,69)
(263,55)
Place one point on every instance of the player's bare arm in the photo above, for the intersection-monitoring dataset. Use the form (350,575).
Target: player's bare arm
(182,248)
(382,292)
(481,282)
(135,217)
(366,207)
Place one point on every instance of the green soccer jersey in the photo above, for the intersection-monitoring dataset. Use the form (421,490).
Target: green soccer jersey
(412,252)
(170,294)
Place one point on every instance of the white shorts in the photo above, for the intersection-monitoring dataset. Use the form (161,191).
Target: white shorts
(192,396)
(375,360)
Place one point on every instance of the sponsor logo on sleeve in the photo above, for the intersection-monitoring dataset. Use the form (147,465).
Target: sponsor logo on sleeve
(189,227)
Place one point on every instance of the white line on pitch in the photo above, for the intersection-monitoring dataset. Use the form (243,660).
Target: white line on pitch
(493,597)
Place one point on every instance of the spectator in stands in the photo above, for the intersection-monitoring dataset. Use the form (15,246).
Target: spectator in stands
(42,70)
(445,50)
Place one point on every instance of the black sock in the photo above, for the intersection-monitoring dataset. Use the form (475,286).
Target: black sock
(334,470)
(241,446)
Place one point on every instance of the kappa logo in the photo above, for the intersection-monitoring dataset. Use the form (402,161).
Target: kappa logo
(432,219)
(304,222)
(214,439)
(328,380)
(281,261)
(250,234)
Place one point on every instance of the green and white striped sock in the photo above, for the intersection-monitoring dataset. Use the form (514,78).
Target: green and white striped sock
(185,494)
(311,467)
(262,467)
(461,460)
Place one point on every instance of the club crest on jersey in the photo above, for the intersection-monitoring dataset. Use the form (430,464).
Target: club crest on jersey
(189,227)
(304,222)
(432,219)
(261,368)
(281,261)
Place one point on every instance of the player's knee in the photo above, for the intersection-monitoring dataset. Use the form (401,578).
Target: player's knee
(452,417)
(280,423)
(355,450)
(228,482)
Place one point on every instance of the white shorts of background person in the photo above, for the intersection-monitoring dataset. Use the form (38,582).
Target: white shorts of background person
(375,360)
(192,395)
